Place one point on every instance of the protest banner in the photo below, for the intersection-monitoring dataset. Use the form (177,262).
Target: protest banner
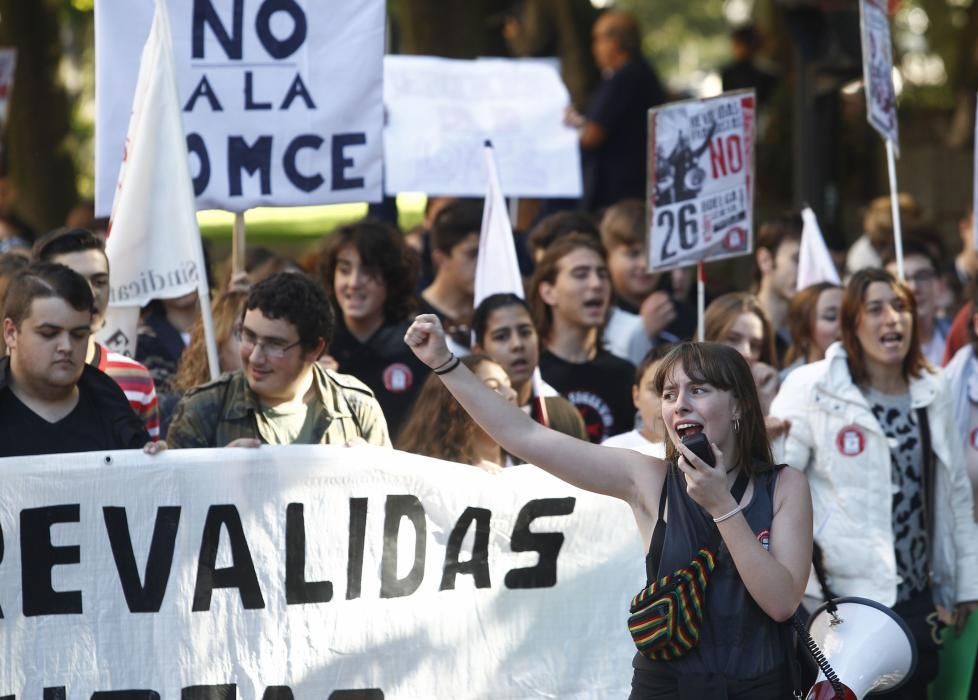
(881,107)
(8,66)
(701,180)
(154,245)
(281,99)
(309,572)
(440,112)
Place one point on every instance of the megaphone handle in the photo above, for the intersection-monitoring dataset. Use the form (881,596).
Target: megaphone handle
(817,654)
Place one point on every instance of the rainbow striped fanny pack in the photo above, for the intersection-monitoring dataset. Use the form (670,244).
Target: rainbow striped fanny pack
(666,616)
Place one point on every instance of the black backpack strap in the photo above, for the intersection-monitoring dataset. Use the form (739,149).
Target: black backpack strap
(658,535)
(927,478)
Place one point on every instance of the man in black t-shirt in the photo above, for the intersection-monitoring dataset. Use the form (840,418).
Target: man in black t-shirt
(614,128)
(569,296)
(50,400)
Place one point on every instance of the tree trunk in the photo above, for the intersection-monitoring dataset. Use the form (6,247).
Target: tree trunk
(37,162)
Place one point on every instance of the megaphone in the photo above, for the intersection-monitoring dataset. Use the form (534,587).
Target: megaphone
(868,646)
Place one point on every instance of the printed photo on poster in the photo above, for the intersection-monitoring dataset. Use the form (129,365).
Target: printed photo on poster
(878,69)
(701,165)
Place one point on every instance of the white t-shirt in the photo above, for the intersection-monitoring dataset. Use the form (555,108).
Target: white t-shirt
(634,440)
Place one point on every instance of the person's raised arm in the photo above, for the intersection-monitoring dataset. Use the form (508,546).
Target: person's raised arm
(620,473)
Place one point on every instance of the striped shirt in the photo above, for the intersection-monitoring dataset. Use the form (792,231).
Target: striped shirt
(136,383)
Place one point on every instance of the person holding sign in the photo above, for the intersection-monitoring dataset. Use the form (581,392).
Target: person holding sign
(613,130)
(706,389)
(893,505)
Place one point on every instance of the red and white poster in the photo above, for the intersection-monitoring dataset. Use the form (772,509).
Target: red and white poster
(878,69)
(701,180)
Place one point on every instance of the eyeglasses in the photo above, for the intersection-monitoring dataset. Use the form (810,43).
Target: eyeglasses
(273,349)
(922,276)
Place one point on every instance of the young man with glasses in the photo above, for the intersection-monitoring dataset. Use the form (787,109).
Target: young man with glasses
(281,395)
(920,274)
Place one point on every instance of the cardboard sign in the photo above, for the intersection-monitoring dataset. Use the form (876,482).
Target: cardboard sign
(878,69)
(701,180)
(440,112)
(281,99)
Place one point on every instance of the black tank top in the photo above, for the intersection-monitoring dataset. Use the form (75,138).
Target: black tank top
(738,640)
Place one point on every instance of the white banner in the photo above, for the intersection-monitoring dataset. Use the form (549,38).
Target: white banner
(440,112)
(8,65)
(309,572)
(701,180)
(881,111)
(282,99)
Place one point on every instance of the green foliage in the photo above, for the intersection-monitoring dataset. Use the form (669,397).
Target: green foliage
(682,36)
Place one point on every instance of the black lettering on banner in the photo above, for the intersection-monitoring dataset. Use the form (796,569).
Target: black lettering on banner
(204,13)
(298,591)
(196,146)
(478,565)
(145,596)
(204,90)
(241,574)
(39,557)
(280,48)
(126,695)
(306,183)
(547,544)
(341,162)
(395,509)
(209,692)
(249,90)
(366,694)
(358,541)
(55,693)
(297,89)
(278,692)
(254,158)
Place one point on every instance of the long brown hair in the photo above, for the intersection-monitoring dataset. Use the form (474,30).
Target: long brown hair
(801,320)
(722,314)
(438,425)
(726,369)
(852,312)
(546,271)
(226,309)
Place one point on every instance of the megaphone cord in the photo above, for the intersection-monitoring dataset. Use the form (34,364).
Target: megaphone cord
(823,663)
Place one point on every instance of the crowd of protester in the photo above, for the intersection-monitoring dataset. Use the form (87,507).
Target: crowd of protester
(312,351)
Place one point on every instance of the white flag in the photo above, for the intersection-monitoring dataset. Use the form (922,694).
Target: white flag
(497,270)
(154,244)
(814,260)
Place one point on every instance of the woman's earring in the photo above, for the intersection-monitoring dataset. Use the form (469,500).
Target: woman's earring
(736,425)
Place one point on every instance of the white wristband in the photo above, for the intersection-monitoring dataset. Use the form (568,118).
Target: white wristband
(729,515)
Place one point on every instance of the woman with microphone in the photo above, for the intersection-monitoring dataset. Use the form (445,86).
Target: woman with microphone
(764,535)
(873,429)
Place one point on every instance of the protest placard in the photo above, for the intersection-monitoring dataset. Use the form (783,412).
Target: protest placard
(440,112)
(282,100)
(8,64)
(878,69)
(309,572)
(701,180)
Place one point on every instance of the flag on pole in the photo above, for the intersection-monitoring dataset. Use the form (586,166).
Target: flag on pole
(154,245)
(497,271)
(814,260)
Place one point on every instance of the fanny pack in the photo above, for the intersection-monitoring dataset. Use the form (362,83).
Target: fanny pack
(666,616)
